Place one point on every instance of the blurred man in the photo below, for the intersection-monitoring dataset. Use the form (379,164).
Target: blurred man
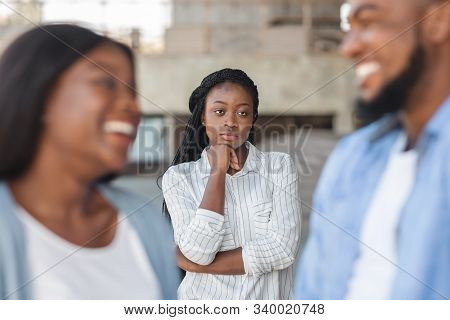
(380,226)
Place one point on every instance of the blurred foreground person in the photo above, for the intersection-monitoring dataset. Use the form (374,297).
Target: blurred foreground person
(68,117)
(380,225)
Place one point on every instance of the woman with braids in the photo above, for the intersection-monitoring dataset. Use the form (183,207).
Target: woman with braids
(234,209)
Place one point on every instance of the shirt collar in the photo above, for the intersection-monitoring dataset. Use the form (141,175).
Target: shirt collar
(439,121)
(385,126)
(252,163)
(434,127)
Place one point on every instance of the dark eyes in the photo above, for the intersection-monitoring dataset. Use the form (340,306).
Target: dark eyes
(111,85)
(366,20)
(107,83)
(365,23)
(221,112)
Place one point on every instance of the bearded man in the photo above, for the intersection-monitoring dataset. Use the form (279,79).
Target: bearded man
(380,219)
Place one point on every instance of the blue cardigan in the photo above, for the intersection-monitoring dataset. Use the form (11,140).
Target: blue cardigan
(153,231)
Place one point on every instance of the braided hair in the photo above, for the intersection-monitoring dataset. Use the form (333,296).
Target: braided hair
(195,138)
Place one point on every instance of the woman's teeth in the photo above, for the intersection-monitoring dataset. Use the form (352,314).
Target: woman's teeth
(365,70)
(119,127)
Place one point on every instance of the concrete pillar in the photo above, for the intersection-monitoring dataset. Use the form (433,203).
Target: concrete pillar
(307,24)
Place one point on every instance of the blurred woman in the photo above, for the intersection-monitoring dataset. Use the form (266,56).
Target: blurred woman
(235,210)
(69,114)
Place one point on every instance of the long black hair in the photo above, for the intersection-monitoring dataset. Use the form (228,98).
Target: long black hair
(29,69)
(195,138)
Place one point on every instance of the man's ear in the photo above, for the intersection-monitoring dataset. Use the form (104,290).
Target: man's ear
(436,23)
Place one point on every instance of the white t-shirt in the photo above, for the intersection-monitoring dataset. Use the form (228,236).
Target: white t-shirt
(62,270)
(372,274)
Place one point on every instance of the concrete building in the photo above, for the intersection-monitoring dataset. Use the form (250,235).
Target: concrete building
(278,27)
(288,47)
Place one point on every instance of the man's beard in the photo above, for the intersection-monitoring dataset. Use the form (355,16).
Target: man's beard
(394,95)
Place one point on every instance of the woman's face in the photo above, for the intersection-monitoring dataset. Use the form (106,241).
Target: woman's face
(92,114)
(228,114)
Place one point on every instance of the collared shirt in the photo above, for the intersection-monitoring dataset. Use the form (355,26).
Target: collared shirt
(261,215)
(341,200)
(372,274)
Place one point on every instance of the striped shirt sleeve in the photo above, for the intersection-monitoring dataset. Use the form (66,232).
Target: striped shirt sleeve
(278,248)
(198,232)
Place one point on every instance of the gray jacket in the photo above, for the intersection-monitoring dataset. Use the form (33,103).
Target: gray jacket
(153,231)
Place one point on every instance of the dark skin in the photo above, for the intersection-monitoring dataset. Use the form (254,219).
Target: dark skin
(75,150)
(374,23)
(228,118)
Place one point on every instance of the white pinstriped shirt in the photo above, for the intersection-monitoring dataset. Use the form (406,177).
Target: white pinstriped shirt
(262,215)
